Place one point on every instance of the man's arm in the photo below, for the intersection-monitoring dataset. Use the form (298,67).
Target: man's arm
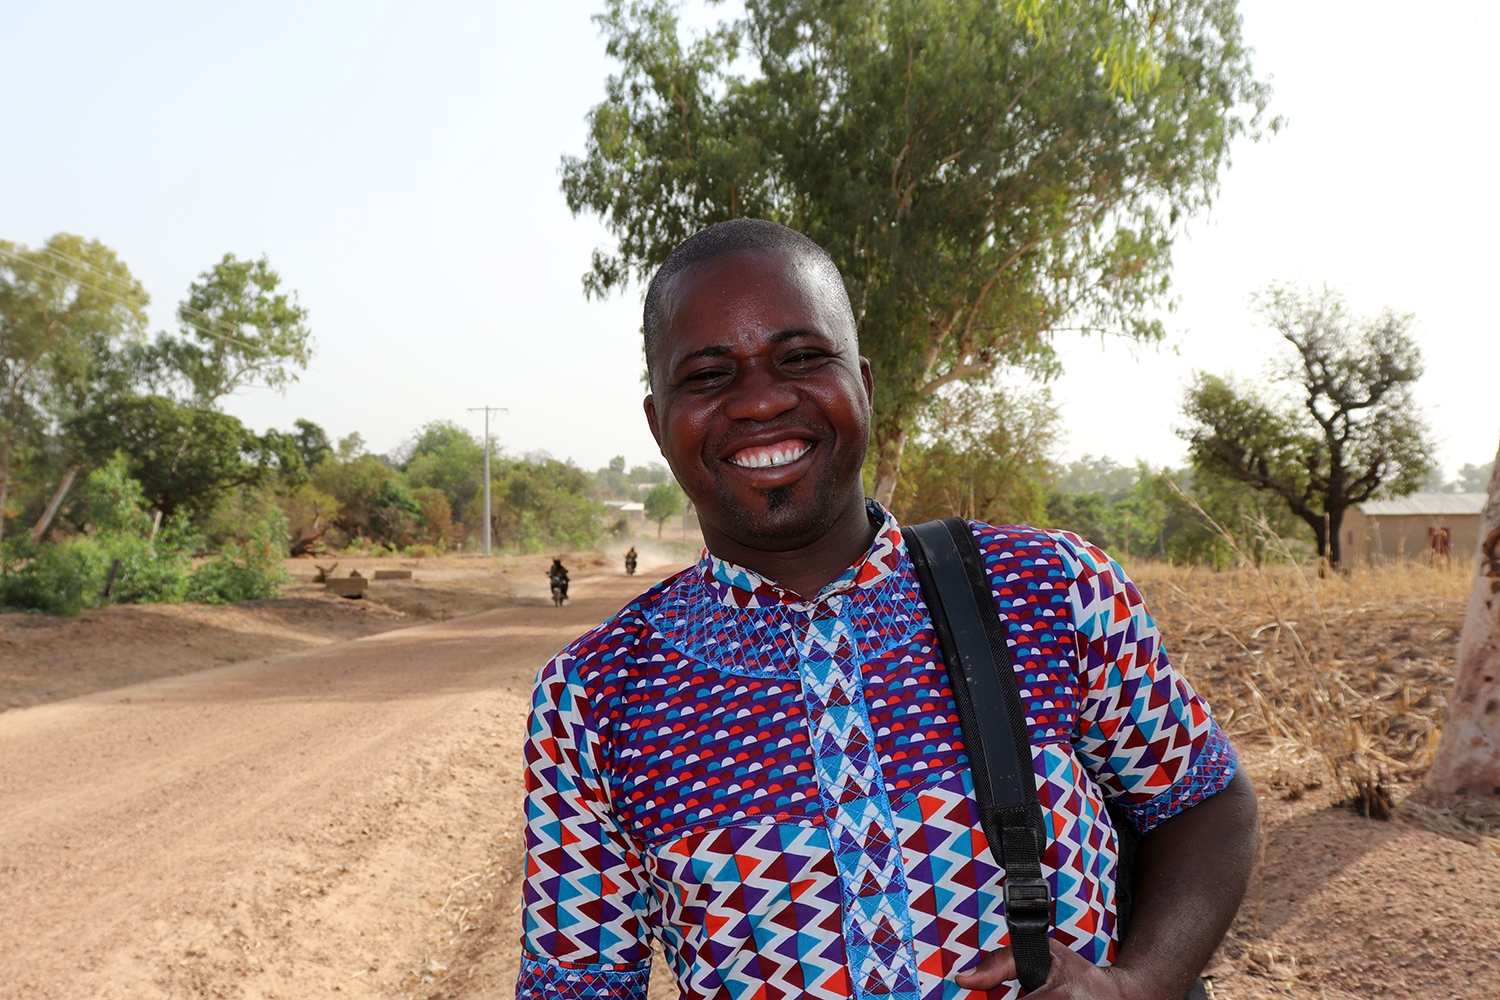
(1190,875)
(585,896)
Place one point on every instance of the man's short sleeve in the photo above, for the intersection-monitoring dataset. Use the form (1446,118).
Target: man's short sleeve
(586,924)
(1143,731)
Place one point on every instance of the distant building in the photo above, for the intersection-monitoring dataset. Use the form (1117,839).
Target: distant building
(1423,527)
(628,509)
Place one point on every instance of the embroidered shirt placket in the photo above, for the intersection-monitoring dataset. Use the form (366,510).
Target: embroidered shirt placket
(878,929)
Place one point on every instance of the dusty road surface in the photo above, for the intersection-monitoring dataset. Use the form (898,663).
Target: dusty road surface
(302,825)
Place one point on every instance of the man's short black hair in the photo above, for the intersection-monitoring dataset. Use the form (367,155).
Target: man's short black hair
(716,241)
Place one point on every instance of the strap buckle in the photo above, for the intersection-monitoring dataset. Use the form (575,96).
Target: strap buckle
(1028,905)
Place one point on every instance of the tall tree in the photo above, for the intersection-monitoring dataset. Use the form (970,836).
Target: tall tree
(980,185)
(1353,432)
(237,329)
(450,458)
(185,458)
(64,309)
(1468,755)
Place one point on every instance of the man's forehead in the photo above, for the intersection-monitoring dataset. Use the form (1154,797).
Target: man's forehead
(779,277)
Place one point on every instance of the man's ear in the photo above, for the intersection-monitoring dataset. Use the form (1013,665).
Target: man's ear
(650,404)
(868,377)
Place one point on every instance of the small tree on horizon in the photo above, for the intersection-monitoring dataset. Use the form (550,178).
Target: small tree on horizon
(663,502)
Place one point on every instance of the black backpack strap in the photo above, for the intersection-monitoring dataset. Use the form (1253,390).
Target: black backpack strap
(983,680)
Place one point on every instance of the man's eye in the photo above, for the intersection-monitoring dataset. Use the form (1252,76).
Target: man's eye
(803,357)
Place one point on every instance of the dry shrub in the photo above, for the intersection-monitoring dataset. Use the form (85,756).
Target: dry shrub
(1340,677)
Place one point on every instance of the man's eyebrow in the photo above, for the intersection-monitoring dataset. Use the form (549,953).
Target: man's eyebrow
(719,350)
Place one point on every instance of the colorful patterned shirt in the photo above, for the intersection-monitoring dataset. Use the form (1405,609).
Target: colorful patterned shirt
(775,788)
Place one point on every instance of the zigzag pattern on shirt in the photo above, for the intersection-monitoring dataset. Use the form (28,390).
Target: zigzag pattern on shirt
(685,753)
(752,908)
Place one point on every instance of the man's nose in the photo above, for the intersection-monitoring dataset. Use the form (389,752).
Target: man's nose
(759,395)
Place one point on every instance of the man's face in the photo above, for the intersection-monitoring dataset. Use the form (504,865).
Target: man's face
(761,403)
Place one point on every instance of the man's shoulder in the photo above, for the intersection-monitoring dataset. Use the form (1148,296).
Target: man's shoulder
(1027,545)
(623,632)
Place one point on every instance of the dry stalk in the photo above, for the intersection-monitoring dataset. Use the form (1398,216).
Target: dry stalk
(1315,713)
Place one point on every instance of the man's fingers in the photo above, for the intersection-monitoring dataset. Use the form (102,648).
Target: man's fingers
(992,970)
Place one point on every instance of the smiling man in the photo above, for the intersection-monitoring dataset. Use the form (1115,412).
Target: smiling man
(758,764)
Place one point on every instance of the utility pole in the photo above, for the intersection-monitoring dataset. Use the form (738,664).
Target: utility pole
(487,510)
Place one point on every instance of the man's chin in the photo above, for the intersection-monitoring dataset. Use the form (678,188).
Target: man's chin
(779,519)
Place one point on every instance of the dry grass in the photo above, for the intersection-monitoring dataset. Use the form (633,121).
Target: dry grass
(1341,676)
(1335,683)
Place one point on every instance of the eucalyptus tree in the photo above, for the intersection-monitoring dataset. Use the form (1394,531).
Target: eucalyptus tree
(65,310)
(237,329)
(981,183)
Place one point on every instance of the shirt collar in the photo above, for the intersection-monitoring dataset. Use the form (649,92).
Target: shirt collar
(739,587)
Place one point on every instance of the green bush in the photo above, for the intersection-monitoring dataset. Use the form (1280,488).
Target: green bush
(245,571)
(67,577)
(57,579)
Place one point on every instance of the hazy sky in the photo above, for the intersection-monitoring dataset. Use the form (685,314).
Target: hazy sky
(398,165)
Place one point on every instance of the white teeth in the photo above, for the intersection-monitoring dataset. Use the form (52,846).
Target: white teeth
(772,458)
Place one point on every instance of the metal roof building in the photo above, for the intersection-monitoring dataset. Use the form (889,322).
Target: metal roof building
(1424,527)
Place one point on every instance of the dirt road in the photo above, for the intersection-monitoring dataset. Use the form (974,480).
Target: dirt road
(295,826)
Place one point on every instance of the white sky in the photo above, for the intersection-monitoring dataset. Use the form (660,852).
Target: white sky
(398,164)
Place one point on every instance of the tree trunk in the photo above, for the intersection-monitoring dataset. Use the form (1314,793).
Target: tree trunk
(888,466)
(5,474)
(1334,522)
(45,521)
(1468,754)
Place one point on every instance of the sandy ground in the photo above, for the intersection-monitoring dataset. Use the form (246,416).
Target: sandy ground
(345,820)
(290,826)
(45,659)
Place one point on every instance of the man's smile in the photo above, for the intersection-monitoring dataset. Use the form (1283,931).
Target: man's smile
(771,455)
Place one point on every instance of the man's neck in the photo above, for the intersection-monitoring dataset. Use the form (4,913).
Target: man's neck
(808,569)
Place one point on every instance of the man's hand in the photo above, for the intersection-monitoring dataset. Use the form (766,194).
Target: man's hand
(1190,874)
(1071,976)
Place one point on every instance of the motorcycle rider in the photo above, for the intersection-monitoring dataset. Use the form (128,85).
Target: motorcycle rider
(630,562)
(558,575)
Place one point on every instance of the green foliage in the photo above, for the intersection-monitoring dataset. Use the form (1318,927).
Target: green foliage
(236,329)
(67,577)
(1097,475)
(247,569)
(184,457)
(665,501)
(437,531)
(395,515)
(543,504)
(1150,515)
(353,483)
(980,453)
(979,184)
(1352,433)
(312,443)
(114,501)
(613,483)
(450,458)
(57,579)
(65,310)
